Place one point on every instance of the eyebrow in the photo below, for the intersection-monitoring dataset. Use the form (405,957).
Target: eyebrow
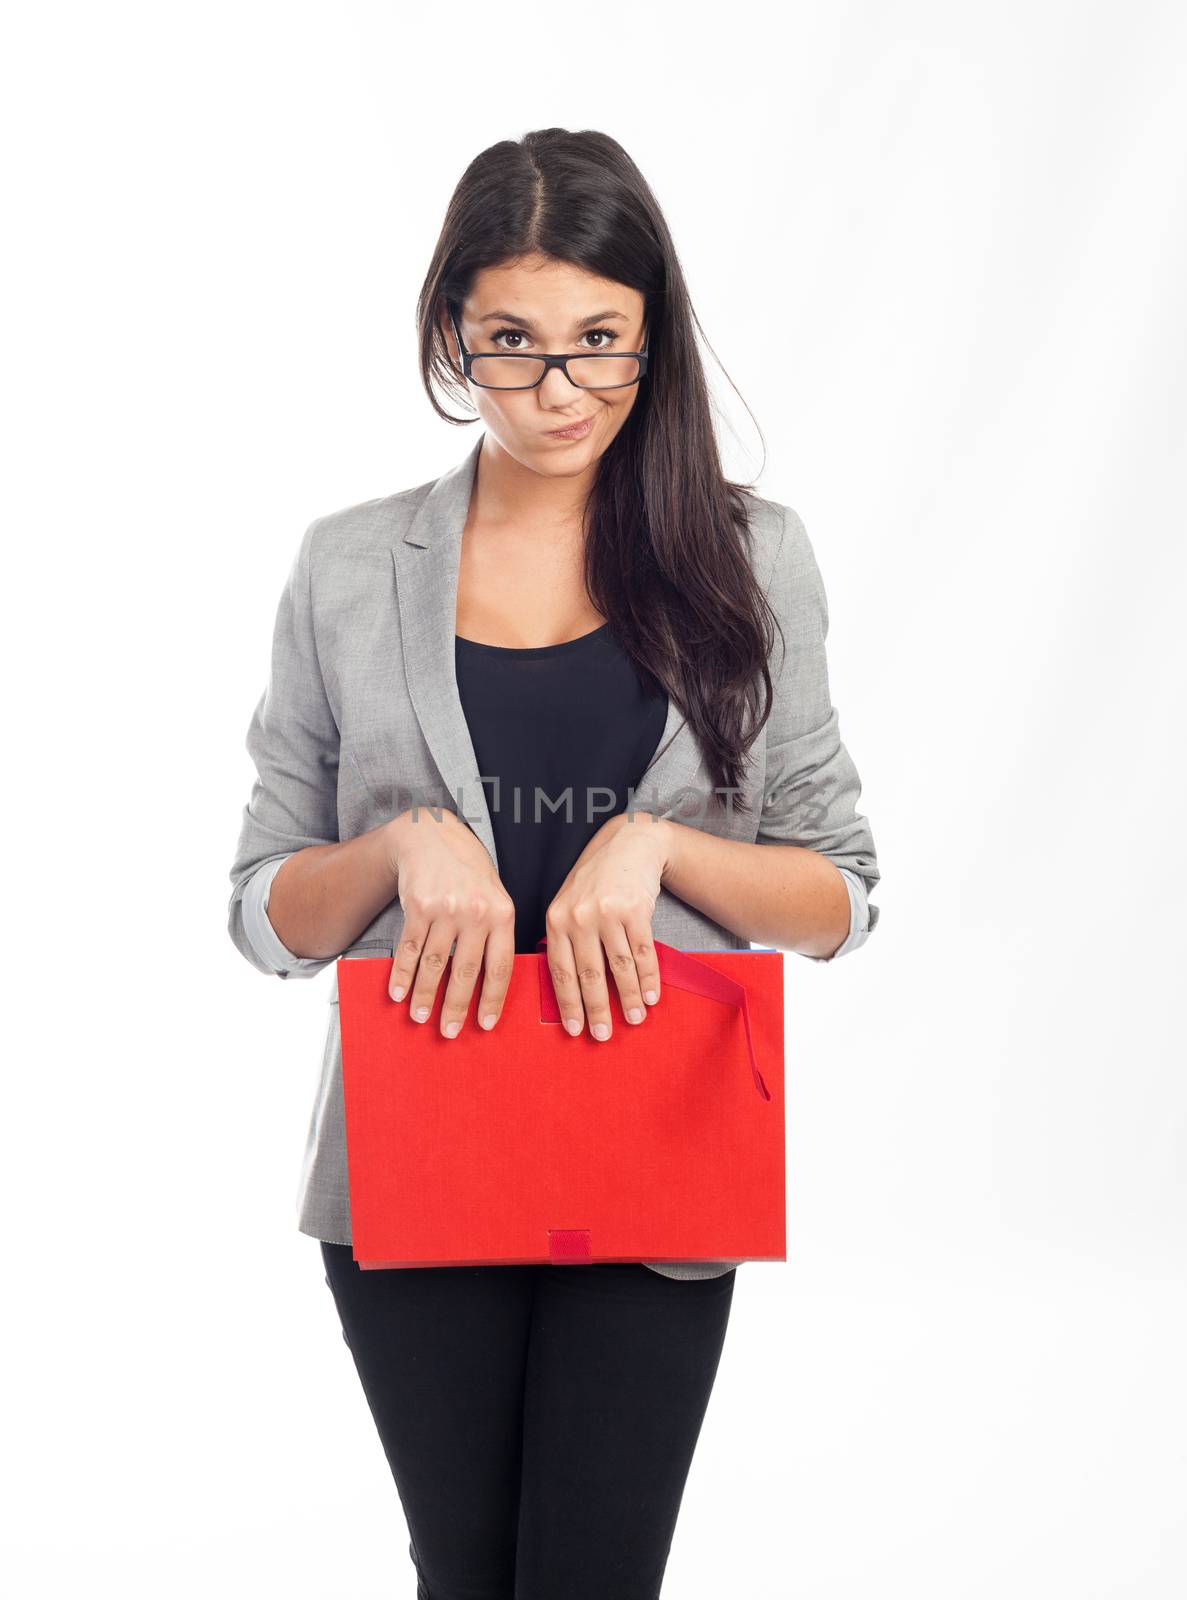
(524,322)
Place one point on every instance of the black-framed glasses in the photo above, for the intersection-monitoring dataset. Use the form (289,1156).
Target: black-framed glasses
(598,369)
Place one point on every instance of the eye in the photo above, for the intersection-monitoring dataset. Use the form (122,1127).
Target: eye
(605,336)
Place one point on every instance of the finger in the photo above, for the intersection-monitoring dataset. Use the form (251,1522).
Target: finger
(463,975)
(433,958)
(620,961)
(591,974)
(562,967)
(646,957)
(406,956)
(498,964)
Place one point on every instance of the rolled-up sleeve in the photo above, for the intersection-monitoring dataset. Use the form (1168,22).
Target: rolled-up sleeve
(812,786)
(274,955)
(293,742)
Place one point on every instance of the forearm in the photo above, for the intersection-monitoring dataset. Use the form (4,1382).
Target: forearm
(774,894)
(323,897)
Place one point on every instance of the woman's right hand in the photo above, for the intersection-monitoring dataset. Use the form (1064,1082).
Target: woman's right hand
(449,891)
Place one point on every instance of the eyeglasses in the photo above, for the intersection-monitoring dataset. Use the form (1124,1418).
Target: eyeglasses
(600,369)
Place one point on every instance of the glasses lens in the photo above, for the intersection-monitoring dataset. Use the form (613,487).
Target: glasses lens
(524,372)
(603,372)
(506,372)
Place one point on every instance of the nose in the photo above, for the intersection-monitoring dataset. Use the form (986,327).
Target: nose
(557,387)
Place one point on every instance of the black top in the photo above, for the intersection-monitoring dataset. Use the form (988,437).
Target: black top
(554,727)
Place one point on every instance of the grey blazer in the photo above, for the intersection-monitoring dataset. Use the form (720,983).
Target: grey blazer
(361,718)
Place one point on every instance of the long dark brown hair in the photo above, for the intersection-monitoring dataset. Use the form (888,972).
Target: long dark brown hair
(667,535)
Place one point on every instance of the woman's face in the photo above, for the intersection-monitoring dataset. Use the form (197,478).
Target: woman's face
(537,306)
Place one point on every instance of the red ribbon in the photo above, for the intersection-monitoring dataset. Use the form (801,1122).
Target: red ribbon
(681,971)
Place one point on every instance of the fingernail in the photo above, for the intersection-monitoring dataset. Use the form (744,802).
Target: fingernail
(573,1025)
(421,1013)
(451,1030)
(489,1021)
(600,1030)
(398,993)
(635,1014)
(650,996)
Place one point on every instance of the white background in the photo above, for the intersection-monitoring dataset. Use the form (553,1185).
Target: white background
(941,252)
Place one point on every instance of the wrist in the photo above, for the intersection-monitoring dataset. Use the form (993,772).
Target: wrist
(669,836)
(397,837)
(661,830)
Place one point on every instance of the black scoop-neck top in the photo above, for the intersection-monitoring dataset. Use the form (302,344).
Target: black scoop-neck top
(562,733)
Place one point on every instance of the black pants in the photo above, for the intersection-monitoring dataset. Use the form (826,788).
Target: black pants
(539,1421)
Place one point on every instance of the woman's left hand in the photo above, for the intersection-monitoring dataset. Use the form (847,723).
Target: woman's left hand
(601,916)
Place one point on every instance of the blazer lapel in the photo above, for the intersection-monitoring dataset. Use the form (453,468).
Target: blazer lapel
(427,559)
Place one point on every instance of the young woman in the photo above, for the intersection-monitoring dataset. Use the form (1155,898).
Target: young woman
(585,616)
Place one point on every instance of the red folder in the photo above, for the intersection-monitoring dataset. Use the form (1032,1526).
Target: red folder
(525,1145)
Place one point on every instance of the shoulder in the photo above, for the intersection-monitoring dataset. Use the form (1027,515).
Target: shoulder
(782,555)
(366,526)
(345,564)
(785,565)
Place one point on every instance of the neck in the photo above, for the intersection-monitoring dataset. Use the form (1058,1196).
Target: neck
(506,493)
